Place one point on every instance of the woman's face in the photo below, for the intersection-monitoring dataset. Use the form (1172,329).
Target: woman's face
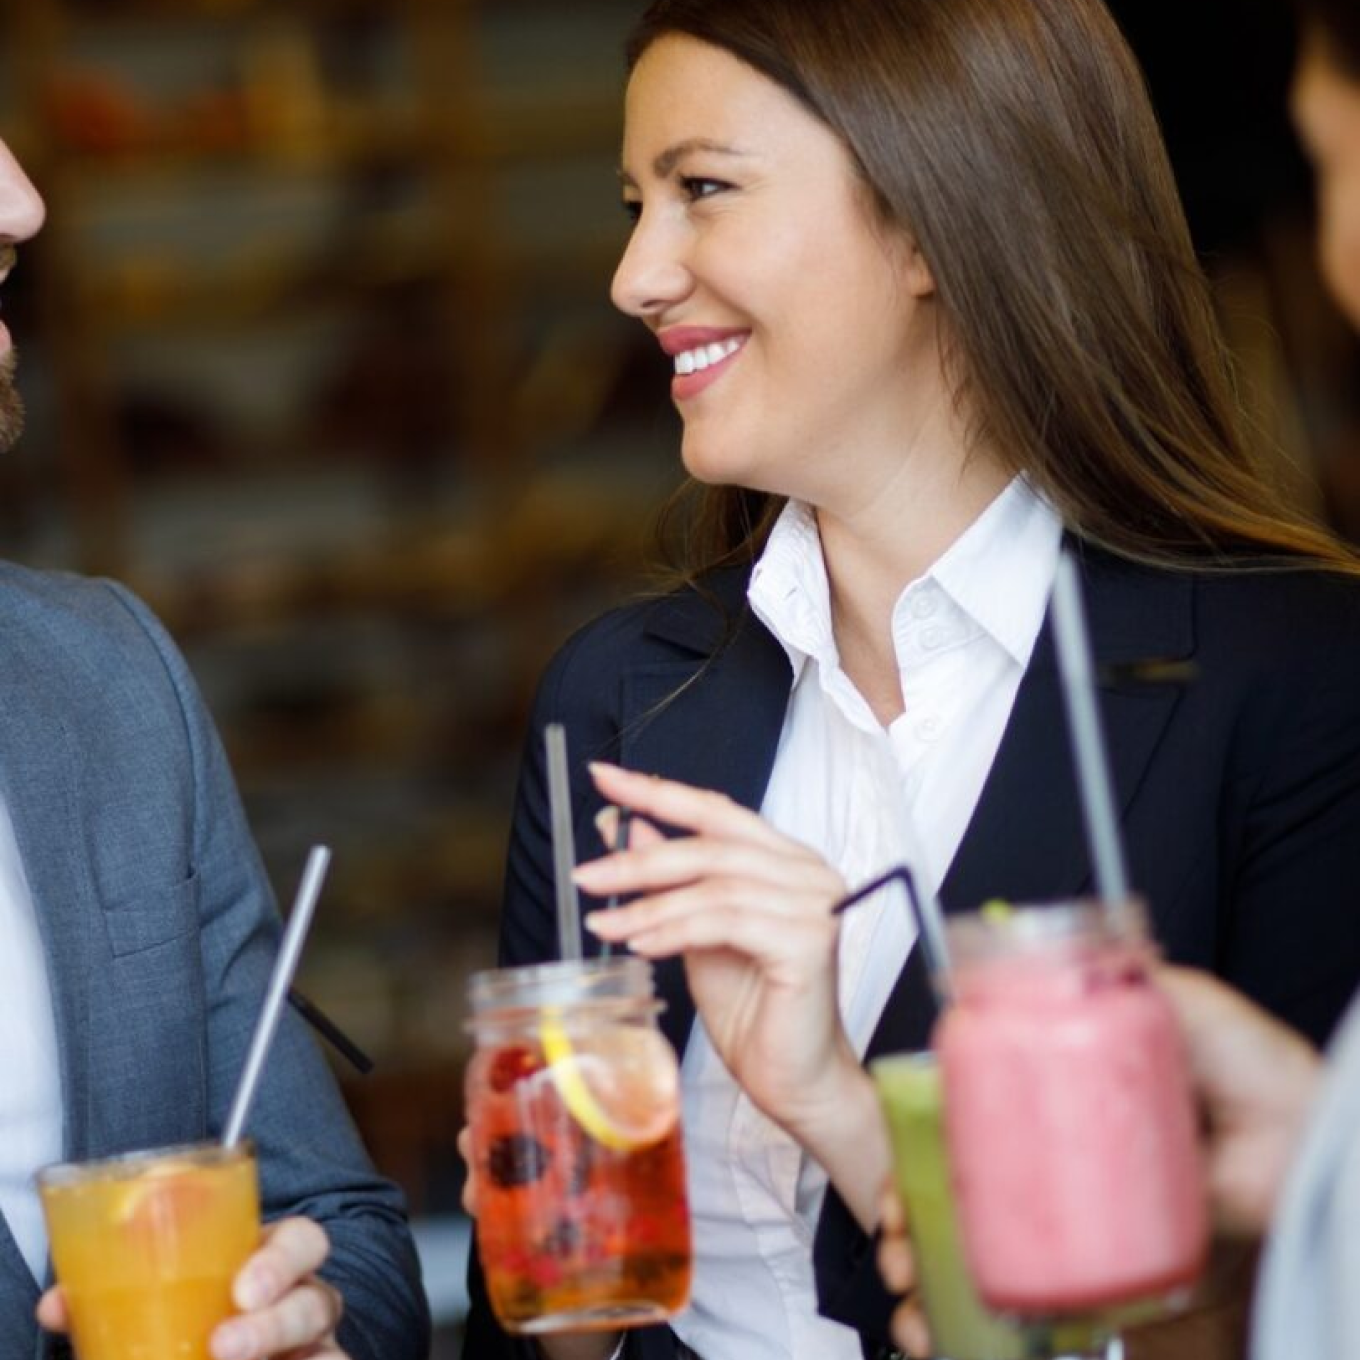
(802,328)
(1327,113)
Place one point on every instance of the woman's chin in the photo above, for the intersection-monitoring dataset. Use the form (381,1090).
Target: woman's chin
(715,466)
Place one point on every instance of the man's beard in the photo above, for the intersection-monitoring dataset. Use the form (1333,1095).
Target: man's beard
(11,404)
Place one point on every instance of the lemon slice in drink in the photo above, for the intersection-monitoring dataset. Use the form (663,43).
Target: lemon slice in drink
(160,1195)
(619,1082)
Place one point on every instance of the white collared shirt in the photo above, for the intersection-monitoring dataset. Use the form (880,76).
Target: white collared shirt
(30,1092)
(865,798)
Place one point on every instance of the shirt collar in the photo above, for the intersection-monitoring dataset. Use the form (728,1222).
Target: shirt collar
(999,571)
(789,591)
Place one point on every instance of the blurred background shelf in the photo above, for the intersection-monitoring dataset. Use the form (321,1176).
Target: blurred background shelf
(319,358)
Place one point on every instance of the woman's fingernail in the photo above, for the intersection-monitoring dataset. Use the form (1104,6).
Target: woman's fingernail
(232,1341)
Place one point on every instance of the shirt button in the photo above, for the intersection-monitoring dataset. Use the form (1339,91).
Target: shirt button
(931,638)
(928,728)
(923,606)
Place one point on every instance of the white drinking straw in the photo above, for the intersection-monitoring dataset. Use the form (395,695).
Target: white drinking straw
(318,861)
(1088,745)
(563,844)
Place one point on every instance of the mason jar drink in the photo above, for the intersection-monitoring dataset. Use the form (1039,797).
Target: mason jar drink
(1068,1110)
(146,1247)
(960,1327)
(573,1100)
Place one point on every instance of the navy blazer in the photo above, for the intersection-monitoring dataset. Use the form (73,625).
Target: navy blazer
(1239,795)
(159,932)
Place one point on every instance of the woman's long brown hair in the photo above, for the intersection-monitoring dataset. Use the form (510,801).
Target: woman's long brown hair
(1015,141)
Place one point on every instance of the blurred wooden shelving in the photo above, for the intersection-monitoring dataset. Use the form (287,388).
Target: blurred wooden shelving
(324,366)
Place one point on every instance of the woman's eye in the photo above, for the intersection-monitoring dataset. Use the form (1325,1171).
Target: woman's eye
(696,187)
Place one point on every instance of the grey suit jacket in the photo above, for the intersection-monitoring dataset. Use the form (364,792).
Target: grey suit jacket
(159,931)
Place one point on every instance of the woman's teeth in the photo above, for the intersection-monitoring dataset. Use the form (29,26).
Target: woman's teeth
(696,360)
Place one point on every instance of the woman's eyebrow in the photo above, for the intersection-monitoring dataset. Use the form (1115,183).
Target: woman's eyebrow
(673,155)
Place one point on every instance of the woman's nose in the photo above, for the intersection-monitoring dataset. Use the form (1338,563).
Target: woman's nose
(652,275)
(21,207)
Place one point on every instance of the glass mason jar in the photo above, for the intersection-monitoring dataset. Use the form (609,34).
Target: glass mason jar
(573,1100)
(1070,1121)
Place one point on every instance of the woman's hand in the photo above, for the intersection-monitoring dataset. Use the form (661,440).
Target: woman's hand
(897,1266)
(286,1309)
(750,911)
(470,1184)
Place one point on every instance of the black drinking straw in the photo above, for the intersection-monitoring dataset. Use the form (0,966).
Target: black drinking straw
(330,1031)
(929,924)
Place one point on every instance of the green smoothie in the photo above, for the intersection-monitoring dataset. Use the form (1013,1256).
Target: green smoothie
(960,1325)
(961,1328)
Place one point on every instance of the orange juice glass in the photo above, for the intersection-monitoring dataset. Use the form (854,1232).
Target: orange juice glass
(146,1247)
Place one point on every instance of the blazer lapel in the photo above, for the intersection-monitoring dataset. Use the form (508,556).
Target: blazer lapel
(39,779)
(38,774)
(720,731)
(1026,841)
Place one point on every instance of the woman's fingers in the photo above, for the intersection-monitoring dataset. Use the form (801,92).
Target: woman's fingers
(470,1204)
(701,811)
(641,832)
(727,895)
(670,863)
(909,1329)
(896,1264)
(712,915)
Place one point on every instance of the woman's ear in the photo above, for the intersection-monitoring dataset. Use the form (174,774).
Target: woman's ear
(920,282)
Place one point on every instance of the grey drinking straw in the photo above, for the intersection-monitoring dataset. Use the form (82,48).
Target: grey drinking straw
(1088,745)
(318,861)
(563,844)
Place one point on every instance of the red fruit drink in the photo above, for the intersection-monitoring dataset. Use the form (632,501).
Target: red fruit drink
(574,1109)
(1070,1123)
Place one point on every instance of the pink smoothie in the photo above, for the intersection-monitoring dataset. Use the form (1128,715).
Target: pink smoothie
(1071,1128)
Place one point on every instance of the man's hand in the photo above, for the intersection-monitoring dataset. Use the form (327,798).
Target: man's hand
(285,1308)
(1255,1079)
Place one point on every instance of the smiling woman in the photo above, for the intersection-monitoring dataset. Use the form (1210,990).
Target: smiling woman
(932,308)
